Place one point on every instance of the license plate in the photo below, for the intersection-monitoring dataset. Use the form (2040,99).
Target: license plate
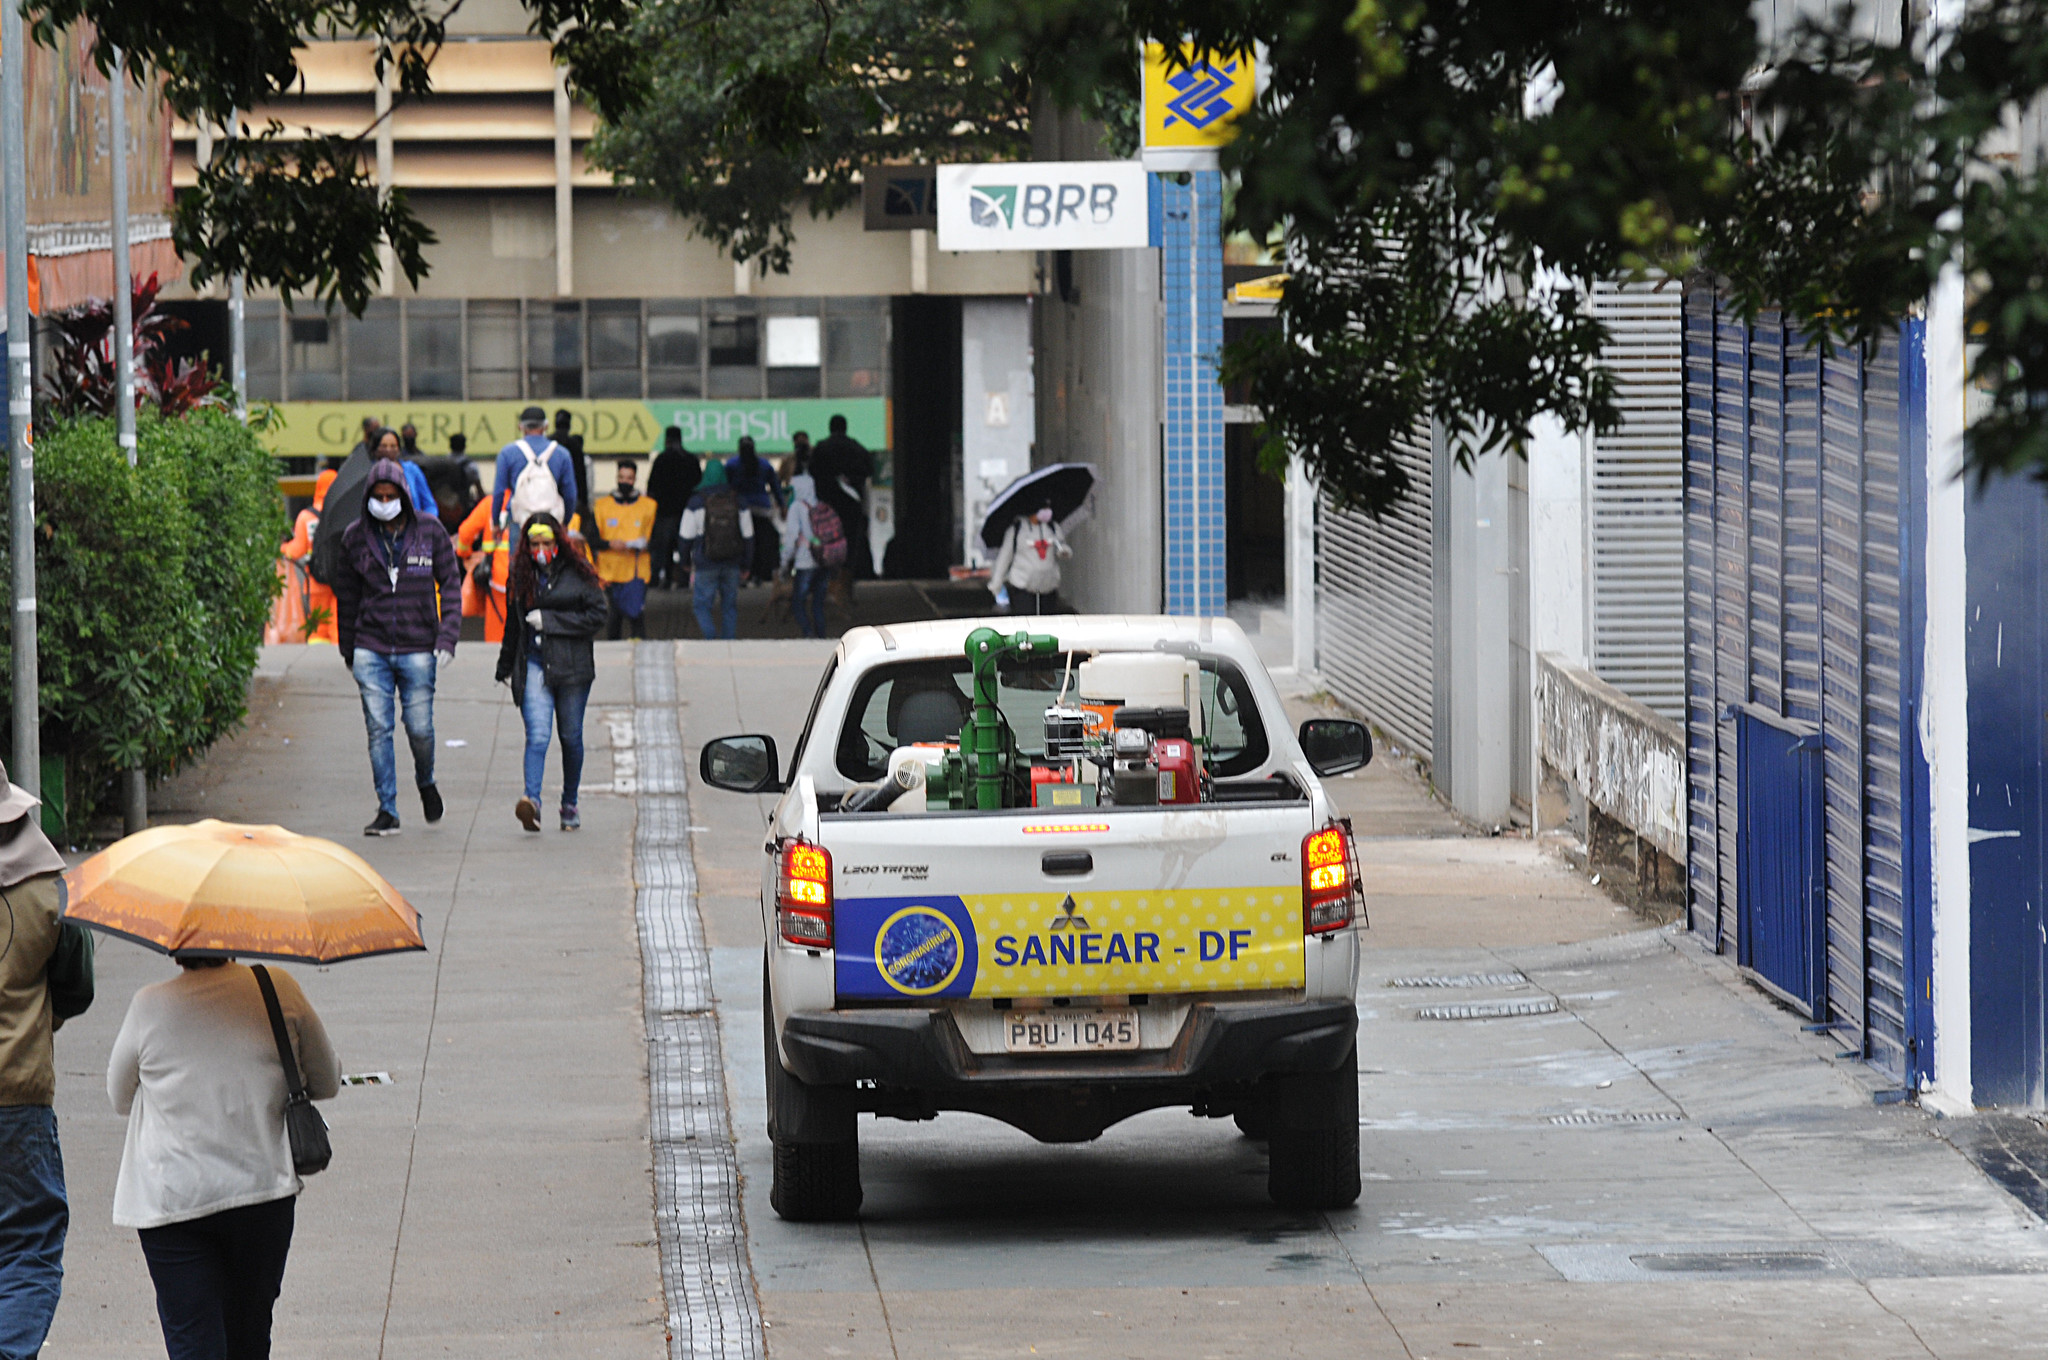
(1064,1031)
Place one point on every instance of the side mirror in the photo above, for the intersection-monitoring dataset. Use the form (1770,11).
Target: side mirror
(1335,745)
(740,765)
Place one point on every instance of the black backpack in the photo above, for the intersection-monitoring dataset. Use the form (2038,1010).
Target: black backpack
(343,507)
(722,536)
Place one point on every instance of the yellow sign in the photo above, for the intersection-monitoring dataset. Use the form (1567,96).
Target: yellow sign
(1192,99)
(333,427)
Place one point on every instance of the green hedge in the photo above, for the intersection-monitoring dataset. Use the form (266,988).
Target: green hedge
(153,584)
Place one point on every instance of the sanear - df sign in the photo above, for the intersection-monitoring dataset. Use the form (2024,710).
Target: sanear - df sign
(1043,205)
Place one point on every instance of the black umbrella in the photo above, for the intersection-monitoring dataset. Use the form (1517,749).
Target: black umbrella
(1066,487)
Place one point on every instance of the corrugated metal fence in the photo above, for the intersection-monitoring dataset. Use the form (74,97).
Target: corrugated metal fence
(1802,595)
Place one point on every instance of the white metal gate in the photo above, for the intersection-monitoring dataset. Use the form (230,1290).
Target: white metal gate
(1635,513)
(1375,605)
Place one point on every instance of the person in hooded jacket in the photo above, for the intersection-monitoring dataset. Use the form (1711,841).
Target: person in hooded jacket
(1028,564)
(801,554)
(299,547)
(719,558)
(398,598)
(673,476)
(557,605)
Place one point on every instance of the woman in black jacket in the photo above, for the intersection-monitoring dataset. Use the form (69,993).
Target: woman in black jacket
(547,659)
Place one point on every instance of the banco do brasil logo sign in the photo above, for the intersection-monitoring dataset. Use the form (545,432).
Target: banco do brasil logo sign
(919,951)
(1202,94)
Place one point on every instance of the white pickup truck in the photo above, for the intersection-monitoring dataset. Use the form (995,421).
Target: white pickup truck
(1056,876)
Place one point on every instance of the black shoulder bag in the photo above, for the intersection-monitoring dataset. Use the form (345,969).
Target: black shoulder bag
(311,1151)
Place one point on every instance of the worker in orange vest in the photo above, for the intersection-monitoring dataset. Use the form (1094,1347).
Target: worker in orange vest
(299,548)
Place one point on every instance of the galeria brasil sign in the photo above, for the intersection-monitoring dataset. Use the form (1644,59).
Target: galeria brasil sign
(315,428)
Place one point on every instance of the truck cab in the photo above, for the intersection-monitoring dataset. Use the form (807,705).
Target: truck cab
(1057,876)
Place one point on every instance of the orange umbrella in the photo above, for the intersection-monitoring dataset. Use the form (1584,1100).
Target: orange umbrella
(214,889)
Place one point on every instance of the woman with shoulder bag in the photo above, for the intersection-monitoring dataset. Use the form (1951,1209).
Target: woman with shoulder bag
(208,1172)
(555,608)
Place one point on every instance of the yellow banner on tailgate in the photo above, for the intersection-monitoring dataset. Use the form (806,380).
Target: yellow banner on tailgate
(1061,944)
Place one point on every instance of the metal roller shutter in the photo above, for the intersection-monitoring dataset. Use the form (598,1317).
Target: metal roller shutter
(1702,716)
(1636,503)
(1375,605)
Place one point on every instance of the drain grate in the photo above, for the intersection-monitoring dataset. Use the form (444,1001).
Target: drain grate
(1735,1262)
(1488,1010)
(1461,980)
(1587,1118)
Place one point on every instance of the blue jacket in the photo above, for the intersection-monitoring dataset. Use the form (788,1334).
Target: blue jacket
(416,489)
(762,492)
(512,461)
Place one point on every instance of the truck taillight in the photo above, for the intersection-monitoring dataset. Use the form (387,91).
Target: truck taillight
(1328,891)
(803,895)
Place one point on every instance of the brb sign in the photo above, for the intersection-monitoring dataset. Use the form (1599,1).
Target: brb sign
(1043,205)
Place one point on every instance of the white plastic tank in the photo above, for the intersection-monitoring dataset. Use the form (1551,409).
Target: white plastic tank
(1143,680)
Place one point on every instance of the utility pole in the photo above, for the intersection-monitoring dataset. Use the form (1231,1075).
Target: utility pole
(27,764)
(135,806)
(238,334)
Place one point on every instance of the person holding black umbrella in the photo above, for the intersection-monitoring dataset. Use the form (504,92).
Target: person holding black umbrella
(1026,576)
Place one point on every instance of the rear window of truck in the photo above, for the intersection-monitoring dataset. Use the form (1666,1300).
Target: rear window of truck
(906,702)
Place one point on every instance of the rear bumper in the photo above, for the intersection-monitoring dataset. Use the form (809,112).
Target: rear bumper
(1222,1043)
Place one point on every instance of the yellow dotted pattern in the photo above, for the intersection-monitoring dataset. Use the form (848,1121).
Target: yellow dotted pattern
(1270,958)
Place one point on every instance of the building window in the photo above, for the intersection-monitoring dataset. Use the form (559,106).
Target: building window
(614,348)
(674,358)
(554,349)
(733,340)
(433,349)
(494,351)
(372,352)
(794,348)
(261,351)
(856,347)
(314,358)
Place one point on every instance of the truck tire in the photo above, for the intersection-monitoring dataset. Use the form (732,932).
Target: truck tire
(1254,1122)
(816,1140)
(1312,1142)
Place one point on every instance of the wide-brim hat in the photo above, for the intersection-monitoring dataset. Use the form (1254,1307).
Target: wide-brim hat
(17,802)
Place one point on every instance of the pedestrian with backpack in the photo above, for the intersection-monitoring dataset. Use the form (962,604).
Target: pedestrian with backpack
(535,475)
(813,546)
(719,534)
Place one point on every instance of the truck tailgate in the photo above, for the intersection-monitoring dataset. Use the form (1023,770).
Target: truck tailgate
(1015,904)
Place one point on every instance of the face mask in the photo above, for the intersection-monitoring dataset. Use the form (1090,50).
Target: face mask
(385,510)
(1043,516)
(627,493)
(543,553)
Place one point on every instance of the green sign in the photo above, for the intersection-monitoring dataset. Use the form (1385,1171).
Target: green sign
(716,426)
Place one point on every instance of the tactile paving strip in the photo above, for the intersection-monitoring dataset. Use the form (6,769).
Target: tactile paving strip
(1488,1010)
(1588,1117)
(713,1310)
(1460,980)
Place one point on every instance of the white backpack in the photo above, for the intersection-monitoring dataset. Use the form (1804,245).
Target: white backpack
(536,491)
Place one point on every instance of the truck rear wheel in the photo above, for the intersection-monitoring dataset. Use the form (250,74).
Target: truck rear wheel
(816,1139)
(1312,1139)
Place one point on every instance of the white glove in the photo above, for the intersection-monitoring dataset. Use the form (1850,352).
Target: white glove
(533,619)
(1003,597)
(446,659)
(637,544)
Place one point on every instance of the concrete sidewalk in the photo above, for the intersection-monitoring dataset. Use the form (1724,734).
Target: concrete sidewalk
(493,1200)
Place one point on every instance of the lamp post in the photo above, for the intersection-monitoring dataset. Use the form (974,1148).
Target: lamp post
(27,764)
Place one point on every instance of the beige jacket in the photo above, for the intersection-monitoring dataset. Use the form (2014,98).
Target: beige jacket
(29,913)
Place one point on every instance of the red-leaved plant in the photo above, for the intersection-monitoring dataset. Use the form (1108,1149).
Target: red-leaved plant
(81,382)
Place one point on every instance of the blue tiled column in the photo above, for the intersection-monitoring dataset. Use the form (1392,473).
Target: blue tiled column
(1191,281)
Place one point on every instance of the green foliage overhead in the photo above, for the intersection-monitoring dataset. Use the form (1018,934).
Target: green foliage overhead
(305,216)
(154,584)
(1449,177)
(754,106)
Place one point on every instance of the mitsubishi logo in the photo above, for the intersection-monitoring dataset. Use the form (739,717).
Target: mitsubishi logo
(1067,920)
(1204,94)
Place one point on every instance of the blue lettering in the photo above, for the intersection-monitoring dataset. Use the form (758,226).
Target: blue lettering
(1148,947)
(1062,949)
(1119,952)
(1034,949)
(1091,949)
(1212,945)
(1239,939)
(1006,950)
(1037,205)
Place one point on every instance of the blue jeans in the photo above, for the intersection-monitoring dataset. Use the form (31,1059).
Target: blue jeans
(560,708)
(33,1217)
(409,676)
(717,586)
(808,600)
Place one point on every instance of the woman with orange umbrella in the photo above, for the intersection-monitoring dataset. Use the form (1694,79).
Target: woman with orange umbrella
(215,1068)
